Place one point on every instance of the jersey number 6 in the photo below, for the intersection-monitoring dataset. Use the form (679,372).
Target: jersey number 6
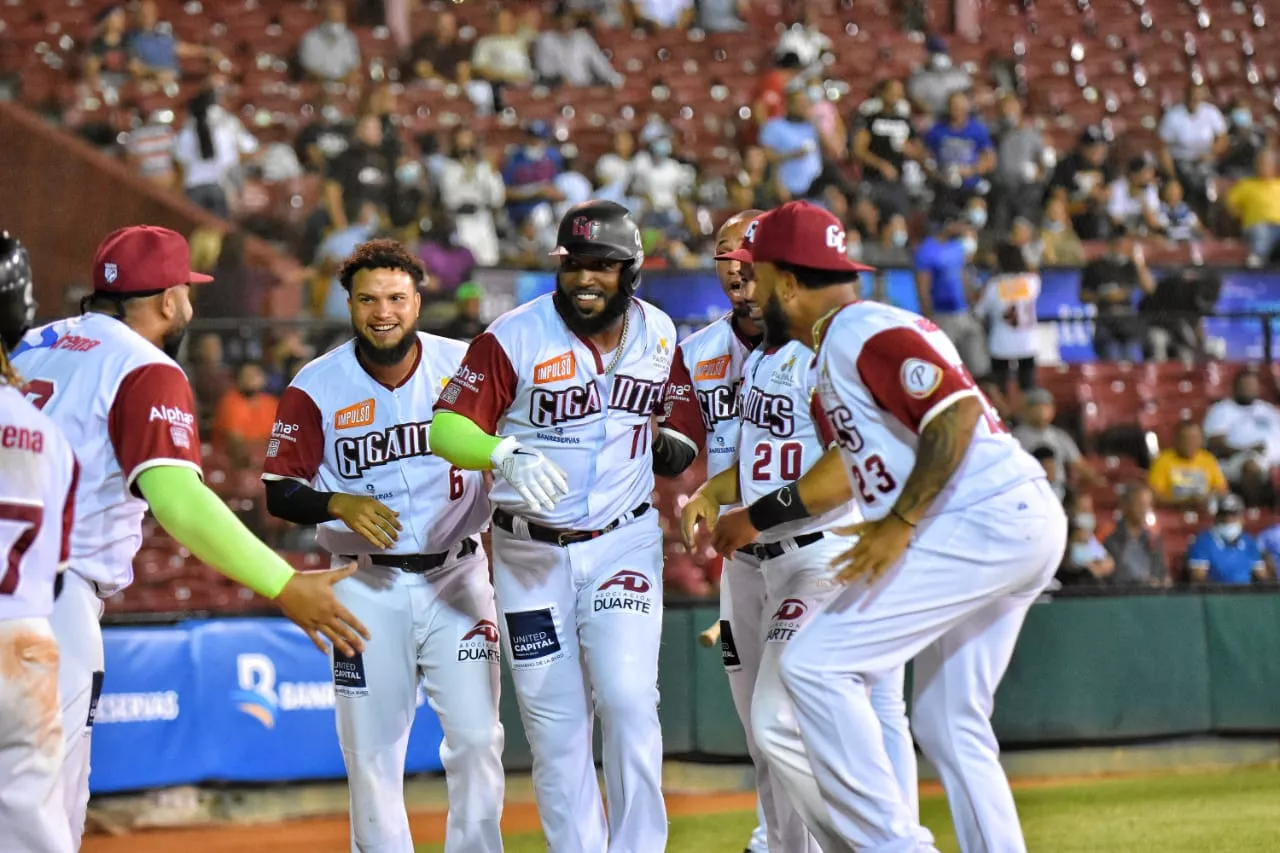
(457,485)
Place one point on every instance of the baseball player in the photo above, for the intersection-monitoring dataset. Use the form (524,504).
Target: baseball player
(708,368)
(962,533)
(108,379)
(782,441)
(37,501)
(349,453)
(559,396)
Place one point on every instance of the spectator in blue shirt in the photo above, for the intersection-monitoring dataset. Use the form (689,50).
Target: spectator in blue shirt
(155,52)
(941,264)
(961,151)
(1225,553)
(793,144)
(1269,545)
(530,175)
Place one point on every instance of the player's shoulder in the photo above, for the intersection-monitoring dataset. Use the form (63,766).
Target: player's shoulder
(655,317)
(866,317)
(531,319)
(325,368)
(444,355)
(711,341)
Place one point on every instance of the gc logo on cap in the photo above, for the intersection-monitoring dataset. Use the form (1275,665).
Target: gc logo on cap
(143,259)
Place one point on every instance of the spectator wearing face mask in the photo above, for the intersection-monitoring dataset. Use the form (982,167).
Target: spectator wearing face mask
(1133,201)
(893,248)
(1224,553)
(884,139)
(330,51)
(570,55)
(961,155)
(471,191)
(1086,561)
(530,174)
(363,173)
(942,285)
(1186,476)
(1112,283)
(1245,140)
(1082,179)
(1008,307)
(1244,434)
(659,179)
(1017,183)
(1255,202)
(931,86)
(244,417)
(794,146)
(1137,549)
(1038,430)
(1060,245)
(1193,136)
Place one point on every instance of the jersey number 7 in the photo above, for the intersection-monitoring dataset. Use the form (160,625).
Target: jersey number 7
(39,392)
(28,519)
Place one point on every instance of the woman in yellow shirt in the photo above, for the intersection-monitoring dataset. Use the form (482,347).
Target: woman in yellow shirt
(1186,475)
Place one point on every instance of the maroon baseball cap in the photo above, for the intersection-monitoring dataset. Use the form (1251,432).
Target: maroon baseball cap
(797,233)
(143,259)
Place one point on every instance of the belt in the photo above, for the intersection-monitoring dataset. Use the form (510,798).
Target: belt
(418,564)
(771,550)
(553,536)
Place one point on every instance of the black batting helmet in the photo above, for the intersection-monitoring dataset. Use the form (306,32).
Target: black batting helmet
(17,299)
(603,229)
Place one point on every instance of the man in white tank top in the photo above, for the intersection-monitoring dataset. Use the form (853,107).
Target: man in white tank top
(37,501)
(108,379)
(963,533)
(349,453)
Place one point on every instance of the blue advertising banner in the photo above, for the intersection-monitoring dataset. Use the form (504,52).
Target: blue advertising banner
(147,731)
(238,700)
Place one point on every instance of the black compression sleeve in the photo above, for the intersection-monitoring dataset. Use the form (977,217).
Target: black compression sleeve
(671,454)
(297,502)
(777,507)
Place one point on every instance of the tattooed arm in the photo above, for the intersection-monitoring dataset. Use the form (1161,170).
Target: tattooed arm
(943,444)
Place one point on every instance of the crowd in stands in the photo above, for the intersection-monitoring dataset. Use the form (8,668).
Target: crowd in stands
(1117,144)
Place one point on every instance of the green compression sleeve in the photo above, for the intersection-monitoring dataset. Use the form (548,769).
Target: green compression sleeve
(457,439)
(191,513)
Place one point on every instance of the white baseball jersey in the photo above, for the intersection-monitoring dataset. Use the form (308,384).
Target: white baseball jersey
(784,433)
(125,407)
(708,368)
(530,377)
(37,503)
(338,429)
(883,374)
(1010,303)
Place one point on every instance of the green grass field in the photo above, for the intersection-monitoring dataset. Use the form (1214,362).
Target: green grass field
(1236,811)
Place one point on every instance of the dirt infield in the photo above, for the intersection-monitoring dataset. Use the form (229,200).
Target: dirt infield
(329,835)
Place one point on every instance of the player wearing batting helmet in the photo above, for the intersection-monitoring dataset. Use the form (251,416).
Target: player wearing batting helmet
(560,397)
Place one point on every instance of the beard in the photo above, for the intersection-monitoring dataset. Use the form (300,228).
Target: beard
(777,328)
(585,325)
(171,343)
(388,355)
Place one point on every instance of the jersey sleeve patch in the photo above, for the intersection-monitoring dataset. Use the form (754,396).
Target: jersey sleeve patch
(296,448)
(908,378)
(152,421)
(680,406)
(484,387)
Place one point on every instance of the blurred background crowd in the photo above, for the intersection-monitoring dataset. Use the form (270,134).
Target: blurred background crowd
(1120,138)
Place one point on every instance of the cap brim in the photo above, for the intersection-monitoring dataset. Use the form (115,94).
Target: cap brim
(743,255)
(198,278)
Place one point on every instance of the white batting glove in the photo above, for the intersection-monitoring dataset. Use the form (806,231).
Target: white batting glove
(535,477)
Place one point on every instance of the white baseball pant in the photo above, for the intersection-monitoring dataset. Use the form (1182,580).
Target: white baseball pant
(581,628)
(955,603)
(742,619)
(33,816)
(759,842)
(439,628)
(76,625)
(799,586)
